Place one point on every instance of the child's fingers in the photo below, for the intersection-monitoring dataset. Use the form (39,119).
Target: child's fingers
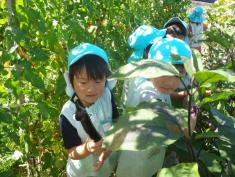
(98,165)
(93,146)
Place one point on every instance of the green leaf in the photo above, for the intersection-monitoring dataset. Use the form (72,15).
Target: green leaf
(3,21)
(5,116)
(197,60)
(43,108)
(206,77)
(145,68)
(226,126)
(47,160)
(211,161)
(39,54)
(180,170)
(227,152)
(209,134)
(32,77)
(60,85)
(189,66)
(150,125)
(218,96)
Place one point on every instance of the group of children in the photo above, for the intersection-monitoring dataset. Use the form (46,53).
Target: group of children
(91,110)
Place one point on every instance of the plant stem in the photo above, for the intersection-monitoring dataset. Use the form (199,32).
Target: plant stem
(189,139)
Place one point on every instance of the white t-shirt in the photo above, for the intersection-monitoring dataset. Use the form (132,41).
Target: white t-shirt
(197,34)
(101,117)
(140,89)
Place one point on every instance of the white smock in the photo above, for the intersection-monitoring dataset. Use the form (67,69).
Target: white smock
(197,34)
(139,90)
(101,116)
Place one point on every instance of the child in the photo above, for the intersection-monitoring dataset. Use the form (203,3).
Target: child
(88,114)
(159,89)
(162,50)
(196,28)
(176,28)
(141,39)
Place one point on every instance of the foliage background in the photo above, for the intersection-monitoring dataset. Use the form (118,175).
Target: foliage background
(35,37)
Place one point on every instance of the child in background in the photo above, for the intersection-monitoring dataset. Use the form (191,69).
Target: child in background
(162,50)
(141,40)
(88,114)
(196,28)
(176,28)
(159,89)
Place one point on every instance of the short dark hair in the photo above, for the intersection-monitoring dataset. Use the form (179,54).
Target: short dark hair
(177,28)
(146,51)
(96,67)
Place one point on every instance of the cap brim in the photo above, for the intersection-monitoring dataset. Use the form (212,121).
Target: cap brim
(162,33)
(177,20)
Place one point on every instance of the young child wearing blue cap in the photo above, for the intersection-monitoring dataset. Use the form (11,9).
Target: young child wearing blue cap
(160,88)
(196,28)
(143,89)
(89,113)
(140,41)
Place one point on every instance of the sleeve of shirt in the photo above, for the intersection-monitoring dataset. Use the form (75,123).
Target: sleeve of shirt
(69,133)
(115,113)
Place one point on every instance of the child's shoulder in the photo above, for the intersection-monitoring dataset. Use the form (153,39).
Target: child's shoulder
(68,107)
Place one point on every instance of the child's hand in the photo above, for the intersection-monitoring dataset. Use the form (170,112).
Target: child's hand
(102,157)
(94,147)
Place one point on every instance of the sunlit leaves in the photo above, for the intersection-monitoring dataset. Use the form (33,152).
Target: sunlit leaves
(197,60)
(145,68)
(149,125)
(34,78)
(211,76)
(180,170)
(218,96)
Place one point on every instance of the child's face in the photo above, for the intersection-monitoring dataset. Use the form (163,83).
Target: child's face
(88,90)
(166,84)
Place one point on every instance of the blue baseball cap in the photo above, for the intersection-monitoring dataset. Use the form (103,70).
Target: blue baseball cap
(83,49)
(176,20)
(141,38)
(170,50)
(197,15)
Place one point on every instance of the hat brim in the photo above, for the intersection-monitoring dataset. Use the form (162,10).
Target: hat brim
(196,19)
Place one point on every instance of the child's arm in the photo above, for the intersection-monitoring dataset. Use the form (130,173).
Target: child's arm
(102,157)
(84,150)
(179,95)
(73,143)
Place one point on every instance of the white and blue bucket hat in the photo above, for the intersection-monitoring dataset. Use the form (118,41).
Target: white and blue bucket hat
(197,15)
(83,49)
(141,38)
(170,50)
